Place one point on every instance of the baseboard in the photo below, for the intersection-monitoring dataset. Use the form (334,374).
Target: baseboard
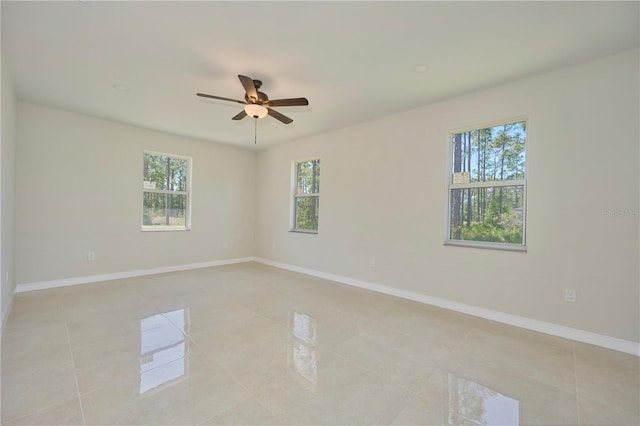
(42,285)
(5,315)
(613,343)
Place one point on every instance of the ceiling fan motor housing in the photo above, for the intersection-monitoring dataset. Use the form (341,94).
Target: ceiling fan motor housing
(262,98)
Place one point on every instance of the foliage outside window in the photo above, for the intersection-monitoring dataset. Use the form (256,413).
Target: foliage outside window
(487,186)
(166,192)
(306,197)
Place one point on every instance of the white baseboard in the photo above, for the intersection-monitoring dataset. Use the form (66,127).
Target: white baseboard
(613,343)
(5,315)
(42,285)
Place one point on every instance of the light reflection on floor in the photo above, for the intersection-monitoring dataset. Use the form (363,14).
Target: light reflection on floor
(473,403)
(162,344)
(303,346)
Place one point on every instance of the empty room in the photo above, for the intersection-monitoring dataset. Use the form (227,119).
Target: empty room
(320,213)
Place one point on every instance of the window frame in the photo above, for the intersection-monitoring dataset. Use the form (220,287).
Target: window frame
(295,196)
(188,193)
(450,186)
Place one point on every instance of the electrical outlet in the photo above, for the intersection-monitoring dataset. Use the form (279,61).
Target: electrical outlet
(570,295)
(91,256)
(372,262)
(225,245)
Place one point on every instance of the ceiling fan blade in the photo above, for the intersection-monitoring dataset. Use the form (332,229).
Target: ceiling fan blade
(239,116)
(275,114)
(287,102)
(203,95)
(249,86)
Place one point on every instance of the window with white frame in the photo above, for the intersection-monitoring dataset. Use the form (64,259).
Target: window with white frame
(487,186)
(306,196)
(166,192)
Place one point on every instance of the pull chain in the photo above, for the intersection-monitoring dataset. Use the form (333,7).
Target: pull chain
(255,135)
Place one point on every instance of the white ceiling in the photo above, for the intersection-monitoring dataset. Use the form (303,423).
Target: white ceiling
(354,61)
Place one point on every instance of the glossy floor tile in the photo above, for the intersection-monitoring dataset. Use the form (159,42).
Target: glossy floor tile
(250,344)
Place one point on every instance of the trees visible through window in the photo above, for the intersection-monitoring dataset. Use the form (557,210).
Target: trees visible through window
(165,190)
(306,197)
(487,185)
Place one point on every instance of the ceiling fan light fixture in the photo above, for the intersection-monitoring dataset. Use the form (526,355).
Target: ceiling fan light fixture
(255,110)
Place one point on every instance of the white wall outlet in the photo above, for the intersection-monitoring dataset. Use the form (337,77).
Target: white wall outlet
(569,295)
(91,256)
(273,246)
(225,244)
(372,262)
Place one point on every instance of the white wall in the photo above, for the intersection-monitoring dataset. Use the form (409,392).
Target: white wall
(79,189)
(383,195)
(7,193)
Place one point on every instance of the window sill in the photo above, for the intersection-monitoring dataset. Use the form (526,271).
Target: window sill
(490,246)
(304,231)
(165,229)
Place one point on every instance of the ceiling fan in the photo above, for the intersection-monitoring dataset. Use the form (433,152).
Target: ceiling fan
(257,104)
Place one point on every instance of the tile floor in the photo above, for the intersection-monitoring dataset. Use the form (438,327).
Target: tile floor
(249,344)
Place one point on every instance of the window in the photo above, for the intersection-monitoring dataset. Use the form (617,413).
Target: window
(306,196)
(487,187)
(166,191)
